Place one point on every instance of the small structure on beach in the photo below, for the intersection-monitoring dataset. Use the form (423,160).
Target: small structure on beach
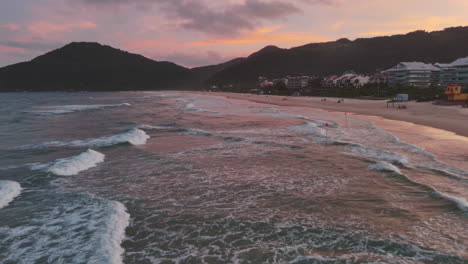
(454,93)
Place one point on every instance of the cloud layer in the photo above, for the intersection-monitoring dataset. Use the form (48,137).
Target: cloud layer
(229,19)
(199,32)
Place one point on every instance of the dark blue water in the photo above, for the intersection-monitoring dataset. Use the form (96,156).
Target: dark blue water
(165,177)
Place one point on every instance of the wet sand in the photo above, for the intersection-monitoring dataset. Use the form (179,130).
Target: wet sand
(449,118)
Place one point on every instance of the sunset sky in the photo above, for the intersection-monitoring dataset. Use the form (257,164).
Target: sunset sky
(201,32)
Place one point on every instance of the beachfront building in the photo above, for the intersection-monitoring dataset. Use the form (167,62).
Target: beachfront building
(348,79)
(295,83)
(417,74)
(264,82)
(454,73)
(379,78)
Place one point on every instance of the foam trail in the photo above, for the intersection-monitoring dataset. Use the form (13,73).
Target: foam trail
(195,132)
(65,109)
(8,191)
(151,127)
(73,165)
(384,166)
(372,153)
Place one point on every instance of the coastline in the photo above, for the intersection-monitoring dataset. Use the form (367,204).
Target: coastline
(434,128)
(449,118)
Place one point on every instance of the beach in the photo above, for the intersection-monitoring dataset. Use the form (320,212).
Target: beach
(449,118)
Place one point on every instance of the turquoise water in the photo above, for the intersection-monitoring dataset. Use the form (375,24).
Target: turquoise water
(166,177)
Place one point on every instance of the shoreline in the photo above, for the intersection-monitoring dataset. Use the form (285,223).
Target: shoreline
(449,118)
(413,125)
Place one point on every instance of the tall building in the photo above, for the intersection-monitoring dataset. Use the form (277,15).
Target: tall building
(456,73)
(417,74)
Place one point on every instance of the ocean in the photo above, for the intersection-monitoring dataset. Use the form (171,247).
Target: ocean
(172,177)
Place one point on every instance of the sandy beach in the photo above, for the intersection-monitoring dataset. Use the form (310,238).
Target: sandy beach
(450,118)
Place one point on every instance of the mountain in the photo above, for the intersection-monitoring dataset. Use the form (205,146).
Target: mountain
(91,67)
(363,55)
(84,66)
(200,75)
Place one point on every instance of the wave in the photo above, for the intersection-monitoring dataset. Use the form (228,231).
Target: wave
(191,107)
(73,165)
(309,128)
(384,166)
(151,127)
(113,235)
(65,109)
(194,132)
(9,190)
(377,154)
(69,228)
(461,203)
(134,137)
(186,131)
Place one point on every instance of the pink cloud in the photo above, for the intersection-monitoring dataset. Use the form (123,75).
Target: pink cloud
(11,27)
(8,49)
(45,28)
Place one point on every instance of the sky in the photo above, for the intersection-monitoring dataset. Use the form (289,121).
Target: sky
(195,33)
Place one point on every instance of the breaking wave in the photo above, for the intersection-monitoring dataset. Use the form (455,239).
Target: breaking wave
(191,107)
(9,190)
(65,109)
(384,166)
(73,229)
(309,128)
(73,165)
(377,154)
(461,203)
(134,137)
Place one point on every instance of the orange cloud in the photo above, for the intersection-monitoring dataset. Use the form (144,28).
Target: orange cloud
(265,34)
(44,28)
(407,25)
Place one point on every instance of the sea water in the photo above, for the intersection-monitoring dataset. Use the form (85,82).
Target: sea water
(169,177)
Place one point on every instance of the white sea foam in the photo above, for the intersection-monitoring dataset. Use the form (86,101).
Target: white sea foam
(384,166)
(192,108)
(73,165)
(65,109)
(77,229)
(134,137)
(8,191)
(113,235)
(308,128)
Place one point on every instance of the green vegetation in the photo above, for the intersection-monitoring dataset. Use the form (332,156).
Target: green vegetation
(368,91)
(374,91)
